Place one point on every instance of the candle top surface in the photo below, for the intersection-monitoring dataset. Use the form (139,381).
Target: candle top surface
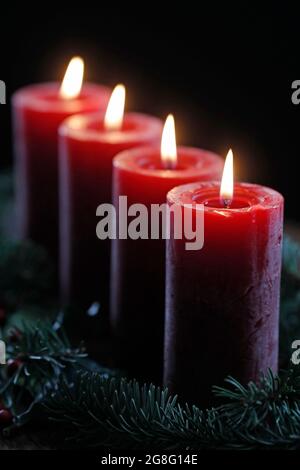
(246,197)
(90,126)
(148,161)
(45,97)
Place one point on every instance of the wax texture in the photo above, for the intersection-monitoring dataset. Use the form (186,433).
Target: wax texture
(138,266)
(86,153)
(37,113)
(222,302)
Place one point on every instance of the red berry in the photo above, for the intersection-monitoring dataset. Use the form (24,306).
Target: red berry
(5,417)
(12,366)
(2,316)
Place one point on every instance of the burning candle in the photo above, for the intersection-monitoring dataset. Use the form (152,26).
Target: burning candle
(145,175)
(222,302)
(38,110)
(87,145)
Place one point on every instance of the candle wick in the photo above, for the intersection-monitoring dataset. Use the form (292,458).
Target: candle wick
(169,165)
(227,203)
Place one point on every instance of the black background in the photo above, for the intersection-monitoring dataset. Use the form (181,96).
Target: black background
(225,72)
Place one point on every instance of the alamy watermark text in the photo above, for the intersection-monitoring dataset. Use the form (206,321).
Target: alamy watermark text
(2,92)
(137,221)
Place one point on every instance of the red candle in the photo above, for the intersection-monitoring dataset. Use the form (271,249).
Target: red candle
(88,144)
(38,110)
(222,302)
(138,266)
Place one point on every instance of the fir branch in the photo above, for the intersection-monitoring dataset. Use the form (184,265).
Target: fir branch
(96,408)
(122,414)
(290,299)
(291,258)
(265,414)
(26,274)
(39,354)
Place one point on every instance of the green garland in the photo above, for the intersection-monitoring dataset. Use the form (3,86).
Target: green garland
(54,382)
(120,413)
(47,380)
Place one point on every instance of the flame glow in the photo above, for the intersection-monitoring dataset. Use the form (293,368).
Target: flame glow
(72,82)
(226,190)
(115,110)
(168,149)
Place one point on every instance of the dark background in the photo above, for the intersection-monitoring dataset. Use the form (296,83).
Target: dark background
(225,72)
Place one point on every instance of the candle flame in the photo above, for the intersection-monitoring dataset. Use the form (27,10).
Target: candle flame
(72,82)
(114,115)
(226,190)
(168,148)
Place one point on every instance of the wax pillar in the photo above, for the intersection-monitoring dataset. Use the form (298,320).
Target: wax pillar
(138,266)
(38,110)
(86,153)
(222,302)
